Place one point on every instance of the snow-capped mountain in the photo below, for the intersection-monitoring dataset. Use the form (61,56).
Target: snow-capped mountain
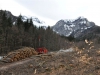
(35,20)
(72,27)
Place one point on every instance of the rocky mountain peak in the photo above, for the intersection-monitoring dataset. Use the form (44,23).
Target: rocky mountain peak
(74,28)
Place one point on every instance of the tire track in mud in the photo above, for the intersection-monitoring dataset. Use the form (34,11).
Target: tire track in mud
(9,65)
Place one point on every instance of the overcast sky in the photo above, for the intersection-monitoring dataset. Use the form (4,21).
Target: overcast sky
(52,11)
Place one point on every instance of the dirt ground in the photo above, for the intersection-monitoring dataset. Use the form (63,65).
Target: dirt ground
(78,62)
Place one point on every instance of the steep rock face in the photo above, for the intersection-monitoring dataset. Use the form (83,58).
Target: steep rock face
(9,14)
(72,27)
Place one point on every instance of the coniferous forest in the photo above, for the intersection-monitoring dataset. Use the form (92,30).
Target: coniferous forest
(27,34)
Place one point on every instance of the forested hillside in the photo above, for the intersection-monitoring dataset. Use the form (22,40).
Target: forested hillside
(14,36)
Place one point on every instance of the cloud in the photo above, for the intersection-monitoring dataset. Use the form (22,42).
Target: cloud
(14,7)
(56,9)
(53,10)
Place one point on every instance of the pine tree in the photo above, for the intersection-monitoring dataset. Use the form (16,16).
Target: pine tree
(6,26)
(19,21)
(9,22)
(4,21)
(25,25)
(31,22)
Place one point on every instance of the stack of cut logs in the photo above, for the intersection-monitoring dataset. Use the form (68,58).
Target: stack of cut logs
(20,54)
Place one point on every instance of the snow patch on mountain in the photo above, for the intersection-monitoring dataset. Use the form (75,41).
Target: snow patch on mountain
(14,23)
(65,26)
(35,20)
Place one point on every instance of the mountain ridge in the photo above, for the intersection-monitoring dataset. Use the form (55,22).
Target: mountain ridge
(72,27)
(36,21)
(64,27)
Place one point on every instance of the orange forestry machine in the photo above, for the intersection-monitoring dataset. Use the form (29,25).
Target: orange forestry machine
(42,50)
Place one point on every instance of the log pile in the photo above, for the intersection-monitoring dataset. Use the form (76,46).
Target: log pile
(20,54)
